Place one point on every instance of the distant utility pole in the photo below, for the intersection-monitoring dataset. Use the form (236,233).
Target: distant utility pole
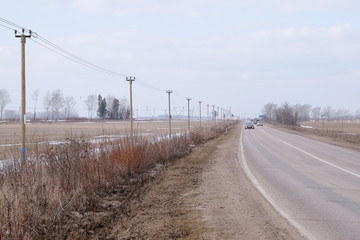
(218,112)
(23,93)
(214,114)
(188,99)
(207,112)
(130,80)
(200,111)
(169,92)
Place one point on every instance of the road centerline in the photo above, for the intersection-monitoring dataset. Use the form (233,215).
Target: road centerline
(313,156)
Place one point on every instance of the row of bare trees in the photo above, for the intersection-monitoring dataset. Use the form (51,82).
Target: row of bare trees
(291,114)
(284,114)
(56,105)
(54,102)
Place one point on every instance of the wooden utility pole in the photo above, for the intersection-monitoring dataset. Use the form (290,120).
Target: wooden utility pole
(207,112)
(200,111)
(214,114)
(23,93)
(169,92)
(130,80)
(188,99)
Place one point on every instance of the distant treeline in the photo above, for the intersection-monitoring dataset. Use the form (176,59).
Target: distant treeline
(291,114)
(58,106)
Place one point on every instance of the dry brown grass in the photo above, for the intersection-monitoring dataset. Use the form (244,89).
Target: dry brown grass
(43,197)
(336,126)
(347,131)
(10,133)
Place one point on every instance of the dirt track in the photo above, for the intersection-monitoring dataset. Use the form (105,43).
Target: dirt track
(203,196)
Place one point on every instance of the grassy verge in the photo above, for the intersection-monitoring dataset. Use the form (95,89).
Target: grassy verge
(60,188)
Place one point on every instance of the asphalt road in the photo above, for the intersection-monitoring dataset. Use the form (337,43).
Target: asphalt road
(316,186)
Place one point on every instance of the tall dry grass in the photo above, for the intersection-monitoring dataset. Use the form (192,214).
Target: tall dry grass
(39,197)
(341,131)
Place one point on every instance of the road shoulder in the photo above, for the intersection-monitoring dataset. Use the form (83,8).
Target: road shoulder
(231,206)
(204,196)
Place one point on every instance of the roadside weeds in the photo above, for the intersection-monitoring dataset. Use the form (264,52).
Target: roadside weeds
(76,190)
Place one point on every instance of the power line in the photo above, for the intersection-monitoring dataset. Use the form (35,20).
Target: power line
(72,59)
(150,87)
(12,24)
(70,56)
(7,27)
(79,59)
(57,49)
(40,40)
(179,96)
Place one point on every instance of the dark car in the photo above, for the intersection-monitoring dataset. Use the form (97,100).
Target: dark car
(249,125)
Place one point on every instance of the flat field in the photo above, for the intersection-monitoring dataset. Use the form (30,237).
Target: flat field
(10,133)
(57,132)
(348,127)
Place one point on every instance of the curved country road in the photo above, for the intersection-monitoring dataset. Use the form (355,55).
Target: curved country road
(316,186)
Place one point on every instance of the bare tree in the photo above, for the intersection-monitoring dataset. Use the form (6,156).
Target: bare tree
(35,97)
(269,111)
(4,100)
(303,111)
(124,108)
(328,111)
(90,102)
(56,103)
(339,113)
(357,114)
(346,114)
(69,103)
(315,113)
(47,103)
(286,115)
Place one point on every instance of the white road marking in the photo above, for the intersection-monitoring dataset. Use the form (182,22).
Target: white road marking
(315,157)
(254,181)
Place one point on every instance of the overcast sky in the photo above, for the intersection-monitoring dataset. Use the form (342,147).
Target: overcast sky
(228,53)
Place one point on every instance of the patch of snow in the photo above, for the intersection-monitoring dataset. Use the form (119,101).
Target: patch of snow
(10,145)
(4,163)
(352,134)
(304,126)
